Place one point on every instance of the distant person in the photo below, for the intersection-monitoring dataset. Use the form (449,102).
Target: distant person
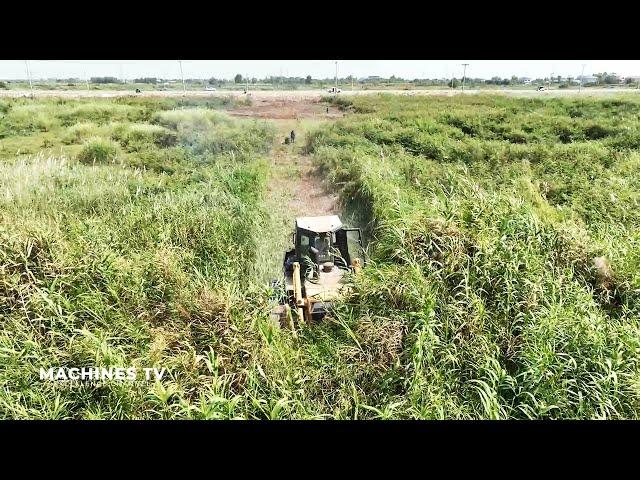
(327,109)
(293,136)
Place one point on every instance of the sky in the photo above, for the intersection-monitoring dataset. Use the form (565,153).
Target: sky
(129,69)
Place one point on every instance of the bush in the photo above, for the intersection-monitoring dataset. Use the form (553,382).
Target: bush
(169,160)
(28,118)
(100,113)
(98,150)
(191,119)
(596,131)
(80,132)
(137,136)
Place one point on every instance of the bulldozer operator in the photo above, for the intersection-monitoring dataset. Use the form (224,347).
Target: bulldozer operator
(321,249)
(320,255)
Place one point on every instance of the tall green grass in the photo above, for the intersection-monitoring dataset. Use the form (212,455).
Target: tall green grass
(505,252)
(504,277)
(119,256)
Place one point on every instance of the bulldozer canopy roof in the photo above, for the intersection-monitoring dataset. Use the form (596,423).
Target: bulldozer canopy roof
(324,224)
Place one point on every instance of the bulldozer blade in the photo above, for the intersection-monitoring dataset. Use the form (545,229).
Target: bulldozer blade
(282,318)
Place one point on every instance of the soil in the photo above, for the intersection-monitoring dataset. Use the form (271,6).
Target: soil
(283,108)
(294,177)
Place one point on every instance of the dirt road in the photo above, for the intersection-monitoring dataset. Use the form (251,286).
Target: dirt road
(294,182)
(299,95)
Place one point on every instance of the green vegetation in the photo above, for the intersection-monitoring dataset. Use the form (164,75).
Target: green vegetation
(98,150)
(506,254)
(504,279)
(120,247)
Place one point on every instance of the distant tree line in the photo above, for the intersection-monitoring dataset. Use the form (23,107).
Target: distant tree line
(603,78)
(152,80)
(105,80)
(607,78)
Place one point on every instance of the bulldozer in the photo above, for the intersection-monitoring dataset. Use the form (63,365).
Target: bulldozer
(324,252)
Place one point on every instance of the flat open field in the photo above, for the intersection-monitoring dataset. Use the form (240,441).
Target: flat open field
(503,239)
(300,95)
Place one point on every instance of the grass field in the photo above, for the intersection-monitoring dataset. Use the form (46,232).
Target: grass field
(504,279)
(507,253)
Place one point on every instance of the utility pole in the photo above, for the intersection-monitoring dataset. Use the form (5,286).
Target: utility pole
(86,79)
(581,78)
(26,62)
(464,75)
(184,89)
(335,92)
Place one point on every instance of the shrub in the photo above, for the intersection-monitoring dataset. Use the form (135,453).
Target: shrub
(98,150)
(80,132)
(99,113)
(28,118)
(137,136)
(596,131)
(191,119)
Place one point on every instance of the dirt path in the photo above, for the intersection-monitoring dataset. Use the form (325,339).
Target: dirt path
(295,180)
(294,186)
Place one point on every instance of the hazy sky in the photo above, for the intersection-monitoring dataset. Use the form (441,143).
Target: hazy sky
(15,69)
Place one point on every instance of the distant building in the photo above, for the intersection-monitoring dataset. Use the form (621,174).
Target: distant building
(370,78)
(589,79)
(525,80)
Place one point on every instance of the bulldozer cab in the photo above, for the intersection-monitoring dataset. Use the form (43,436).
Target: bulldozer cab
(322,240)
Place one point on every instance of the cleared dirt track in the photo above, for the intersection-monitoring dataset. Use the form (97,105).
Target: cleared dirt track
(298,95)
